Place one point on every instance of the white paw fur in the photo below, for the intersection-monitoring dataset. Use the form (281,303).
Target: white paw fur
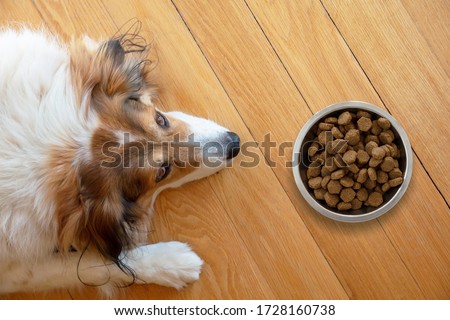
(170,264)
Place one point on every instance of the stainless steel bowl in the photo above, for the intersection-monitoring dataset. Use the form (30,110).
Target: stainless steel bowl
(300,160)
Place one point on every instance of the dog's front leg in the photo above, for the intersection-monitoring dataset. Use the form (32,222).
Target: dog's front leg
(171,264)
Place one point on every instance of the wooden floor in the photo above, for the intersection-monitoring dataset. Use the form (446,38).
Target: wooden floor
(263,67)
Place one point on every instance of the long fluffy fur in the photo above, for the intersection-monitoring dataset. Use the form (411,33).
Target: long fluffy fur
(62,214)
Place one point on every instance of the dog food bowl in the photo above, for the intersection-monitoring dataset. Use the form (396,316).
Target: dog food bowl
(301,162)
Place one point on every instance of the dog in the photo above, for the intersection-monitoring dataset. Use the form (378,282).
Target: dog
(84,154)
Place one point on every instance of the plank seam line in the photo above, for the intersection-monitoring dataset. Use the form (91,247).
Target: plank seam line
(278,56)
(379,96)
(41,15)
(402,260)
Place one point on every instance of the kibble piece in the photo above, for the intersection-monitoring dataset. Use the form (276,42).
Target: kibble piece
(395,173)
(356,204)
(364,114)
(347,194)
(362,194)
(382,177)
(332,120)
(387,137)
(384,123)
(395,163)
(375,130)
(337,133)
(342,206)
(373,138)
(369,146)
(378,189)
(375,199)
(353,168)
(362,157)
(356,186)
(326,170)
(334,187)
(372,173)
(387,151)
(374,162)
(390,148)
(378,153)
(396,151)
(328,148)
(313,171)
(331,199)
(349,157)
(312,150)
(347,182)
(339,162)
(325,126)
(349,126)
(352,137)
(364,124)
(336,175)
(320,193)
(359,146)
(388,164)
(325,181)
(344,118)
(338,146)
(362,175)
(370,184)
(314,183)
(324,137)
(385,187)
(395,182)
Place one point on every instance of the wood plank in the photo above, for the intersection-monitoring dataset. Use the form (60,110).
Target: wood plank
(268,101)
(432,19)
(402,67)
(286,254)
(317,70)
(17,14)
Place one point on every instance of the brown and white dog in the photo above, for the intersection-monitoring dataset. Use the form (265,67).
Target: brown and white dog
(83,155)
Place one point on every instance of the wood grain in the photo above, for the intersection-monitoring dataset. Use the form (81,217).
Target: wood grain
(432,20)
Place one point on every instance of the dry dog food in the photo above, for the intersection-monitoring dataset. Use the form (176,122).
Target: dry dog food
(354,161)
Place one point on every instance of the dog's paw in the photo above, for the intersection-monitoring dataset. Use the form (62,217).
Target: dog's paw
(170,264)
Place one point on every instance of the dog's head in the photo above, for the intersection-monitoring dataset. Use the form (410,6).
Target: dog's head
(134,150)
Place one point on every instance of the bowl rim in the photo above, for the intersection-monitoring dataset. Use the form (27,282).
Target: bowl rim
(296,163)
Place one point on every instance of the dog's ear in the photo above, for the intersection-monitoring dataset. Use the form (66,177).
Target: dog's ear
(115,51)
(111,216)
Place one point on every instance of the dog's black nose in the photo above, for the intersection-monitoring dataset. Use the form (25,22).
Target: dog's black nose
(233,145)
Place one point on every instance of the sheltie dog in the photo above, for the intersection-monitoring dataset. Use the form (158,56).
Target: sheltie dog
(83,155)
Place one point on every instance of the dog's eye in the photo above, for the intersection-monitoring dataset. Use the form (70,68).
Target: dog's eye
(133,98)
(161,120)
(163,172)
